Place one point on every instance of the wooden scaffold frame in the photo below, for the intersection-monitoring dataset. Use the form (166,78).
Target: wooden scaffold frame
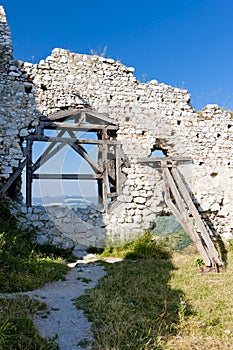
(106,171)
(179,201)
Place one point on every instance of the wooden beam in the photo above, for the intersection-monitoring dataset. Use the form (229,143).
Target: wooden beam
(47,155)
(164,160)
(29,174)
(74,140)
(66,176)
(13,177)
(79,127)
(105,178)
(200,225)
(83,153)
(119,181)
(180,212)
(73,112)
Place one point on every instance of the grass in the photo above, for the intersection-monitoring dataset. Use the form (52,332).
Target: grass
(160,302)
(17,331)
(24,266)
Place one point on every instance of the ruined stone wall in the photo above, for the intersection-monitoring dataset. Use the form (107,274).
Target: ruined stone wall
(148,115)
(17,106)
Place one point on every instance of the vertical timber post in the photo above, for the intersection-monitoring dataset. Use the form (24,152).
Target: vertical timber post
(29,174)
(118,171)
(105,177)
(100,163)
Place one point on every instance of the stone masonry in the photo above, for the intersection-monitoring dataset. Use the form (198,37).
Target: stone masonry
(150,116)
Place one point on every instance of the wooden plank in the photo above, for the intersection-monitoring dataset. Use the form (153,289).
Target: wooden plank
(164,160)
(13,177)
(66,176)
(105,178)
(181,213)
(193,210)
(112,195)
(47,155)
(79,127)
(83,153)
(73,112)
(29,174)
(119,181)
(74,140)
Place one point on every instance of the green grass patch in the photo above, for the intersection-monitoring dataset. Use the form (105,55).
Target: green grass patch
(160,302)
(133,307)
(17,331)
(23,264)
(145,247)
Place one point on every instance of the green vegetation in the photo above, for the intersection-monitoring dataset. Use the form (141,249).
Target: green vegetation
(172,232)
(160,301)
(146,247)
(24,266)
(17,331)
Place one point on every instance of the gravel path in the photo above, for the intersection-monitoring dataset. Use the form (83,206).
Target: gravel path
(64,320)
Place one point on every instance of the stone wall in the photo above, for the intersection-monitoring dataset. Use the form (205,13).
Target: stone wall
(17,105)
(149,115)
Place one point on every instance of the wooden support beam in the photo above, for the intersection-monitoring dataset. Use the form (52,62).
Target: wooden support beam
(164,159)
(83,153)
(78,127)
(105,178)
(74,140)
(73,113)
(66,176)
(119,178)
(46,155)
(12,178)
(215,258)
(29,174)
(179,210)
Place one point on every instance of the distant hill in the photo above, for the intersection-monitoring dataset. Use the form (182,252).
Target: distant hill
(62,199)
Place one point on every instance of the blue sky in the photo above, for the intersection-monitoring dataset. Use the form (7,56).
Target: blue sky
(183,43)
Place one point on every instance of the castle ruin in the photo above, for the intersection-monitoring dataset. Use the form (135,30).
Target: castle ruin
(130,120)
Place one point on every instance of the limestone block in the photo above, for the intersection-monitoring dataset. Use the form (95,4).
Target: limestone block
(140,200)
(42,239)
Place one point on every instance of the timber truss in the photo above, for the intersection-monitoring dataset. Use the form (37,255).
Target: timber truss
(179,201)
(66,125)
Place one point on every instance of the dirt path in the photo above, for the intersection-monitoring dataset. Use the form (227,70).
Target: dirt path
(64,320)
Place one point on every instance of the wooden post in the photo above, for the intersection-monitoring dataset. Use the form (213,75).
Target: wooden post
(29,174)
(180,212)
(193,210)
(100,163)
(105,177)
(118,171)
